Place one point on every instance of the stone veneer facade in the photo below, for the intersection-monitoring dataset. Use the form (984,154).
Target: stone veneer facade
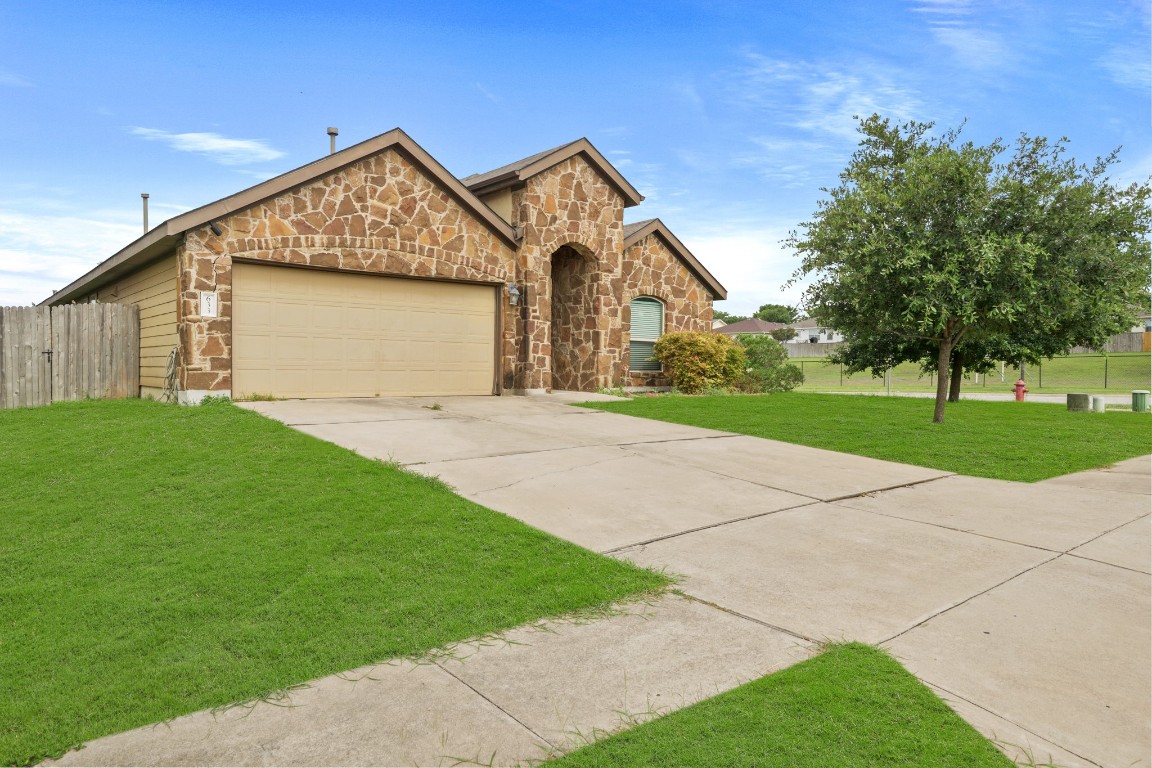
(652,269)
(384,215)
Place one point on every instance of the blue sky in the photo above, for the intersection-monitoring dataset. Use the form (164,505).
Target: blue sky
(728,116)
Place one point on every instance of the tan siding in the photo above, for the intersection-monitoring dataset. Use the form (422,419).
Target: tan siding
(153,289)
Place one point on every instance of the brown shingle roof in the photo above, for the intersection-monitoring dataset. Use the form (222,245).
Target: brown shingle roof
(751,325)
(515,174)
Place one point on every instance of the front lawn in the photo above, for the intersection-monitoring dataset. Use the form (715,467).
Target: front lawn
(1004,440)
(158,560)
(851,707)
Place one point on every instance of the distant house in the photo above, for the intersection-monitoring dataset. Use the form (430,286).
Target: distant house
(809,330)
(717,324)
(1143,322)
(751,325)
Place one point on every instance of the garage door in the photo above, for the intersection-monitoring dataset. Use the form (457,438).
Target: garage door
(304,333)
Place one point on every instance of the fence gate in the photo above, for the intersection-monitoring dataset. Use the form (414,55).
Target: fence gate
(69,352)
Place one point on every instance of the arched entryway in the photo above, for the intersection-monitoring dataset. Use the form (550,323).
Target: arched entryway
(573,323)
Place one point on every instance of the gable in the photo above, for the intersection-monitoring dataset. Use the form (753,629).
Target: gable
(635,234)
(167,235)
(516,174)
(383,202)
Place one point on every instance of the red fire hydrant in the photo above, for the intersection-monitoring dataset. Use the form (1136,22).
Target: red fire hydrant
(1019,389)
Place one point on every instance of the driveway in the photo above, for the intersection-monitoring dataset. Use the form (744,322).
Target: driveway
(1025,606)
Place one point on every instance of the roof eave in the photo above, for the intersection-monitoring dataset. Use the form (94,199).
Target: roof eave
(154,244)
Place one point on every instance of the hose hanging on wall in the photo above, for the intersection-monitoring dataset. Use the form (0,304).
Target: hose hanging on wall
(169,393)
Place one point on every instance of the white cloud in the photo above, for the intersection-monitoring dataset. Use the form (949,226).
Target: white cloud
(975,47)
(969,33)
(13,80)
(39,252)
(823,97)
(750,262)
(947,7)
(222,149)
(806,113)
(1128,65)
(492,97)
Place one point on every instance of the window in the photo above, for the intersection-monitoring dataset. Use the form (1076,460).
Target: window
(647,325)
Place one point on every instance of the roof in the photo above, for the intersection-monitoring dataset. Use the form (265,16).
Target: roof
(515,174)
(808,322)
(751,325)
(634,233)
(165,236)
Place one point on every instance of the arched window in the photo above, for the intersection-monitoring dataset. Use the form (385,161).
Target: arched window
(647,325)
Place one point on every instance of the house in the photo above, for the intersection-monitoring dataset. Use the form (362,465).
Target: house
(751,325)
(374,271)
(809,330)
(1143,322)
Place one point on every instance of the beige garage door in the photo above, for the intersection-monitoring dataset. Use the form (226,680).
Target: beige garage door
(304,333)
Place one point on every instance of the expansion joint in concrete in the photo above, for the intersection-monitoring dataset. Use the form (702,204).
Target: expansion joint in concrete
(737,614)
(507,714)
(1003,744)
(970,598)
(721,524)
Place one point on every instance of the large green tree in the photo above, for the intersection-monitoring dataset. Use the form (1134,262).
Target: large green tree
(931,247)
(719,314)
(777,313)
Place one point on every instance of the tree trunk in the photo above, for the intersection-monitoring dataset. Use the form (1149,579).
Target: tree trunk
(942,379)
(957,376)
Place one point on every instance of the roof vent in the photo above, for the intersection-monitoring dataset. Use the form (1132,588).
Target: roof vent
(332,134)
(144,198)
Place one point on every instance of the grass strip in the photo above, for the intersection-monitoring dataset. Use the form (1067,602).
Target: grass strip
(1003,440)
(850,707)
(159,560)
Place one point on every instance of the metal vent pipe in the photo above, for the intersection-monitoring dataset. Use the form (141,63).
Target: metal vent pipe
(332,134)
(144,197)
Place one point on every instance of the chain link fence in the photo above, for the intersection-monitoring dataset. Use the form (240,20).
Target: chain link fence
(1117,373)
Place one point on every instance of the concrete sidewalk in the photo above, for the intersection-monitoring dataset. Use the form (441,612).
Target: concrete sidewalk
(1027,607)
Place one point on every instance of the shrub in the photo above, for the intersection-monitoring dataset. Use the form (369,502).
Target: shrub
(768,366)
(700,361)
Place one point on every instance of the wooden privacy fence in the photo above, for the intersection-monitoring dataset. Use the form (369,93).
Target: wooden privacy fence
(69,352)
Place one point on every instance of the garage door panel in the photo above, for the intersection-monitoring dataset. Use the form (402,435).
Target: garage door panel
(303,333)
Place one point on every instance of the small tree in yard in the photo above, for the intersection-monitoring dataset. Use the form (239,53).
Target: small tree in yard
(697,362)
(932,250)
(783,335)
(768,367)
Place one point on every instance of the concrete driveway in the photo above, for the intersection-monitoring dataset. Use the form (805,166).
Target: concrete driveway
(1026,607)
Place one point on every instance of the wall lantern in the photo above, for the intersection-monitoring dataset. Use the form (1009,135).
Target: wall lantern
(513,294)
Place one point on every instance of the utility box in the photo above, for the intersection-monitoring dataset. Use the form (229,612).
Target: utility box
(1140,400)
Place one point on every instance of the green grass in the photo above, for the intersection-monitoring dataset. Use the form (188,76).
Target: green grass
(1005,440)
(1117,373)
(851,707)
(158,560)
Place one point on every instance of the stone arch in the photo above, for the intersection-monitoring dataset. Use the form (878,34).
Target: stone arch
(574,275)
